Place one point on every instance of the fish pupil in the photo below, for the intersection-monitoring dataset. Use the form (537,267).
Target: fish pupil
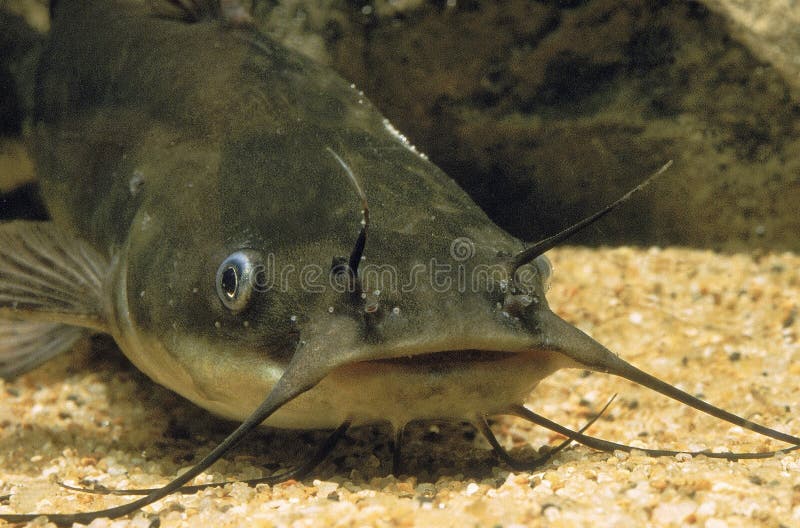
(230,282)
(235,279)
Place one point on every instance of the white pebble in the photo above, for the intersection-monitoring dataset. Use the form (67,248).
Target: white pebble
(674,513)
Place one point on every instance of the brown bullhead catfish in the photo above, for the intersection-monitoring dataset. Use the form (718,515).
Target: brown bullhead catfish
(257,237)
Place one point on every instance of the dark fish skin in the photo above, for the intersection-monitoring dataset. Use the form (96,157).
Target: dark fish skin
(228,111)
(170,145)
(227,132)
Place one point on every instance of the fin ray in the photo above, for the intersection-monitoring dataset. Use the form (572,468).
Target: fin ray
(41,245)
(28,284)
(50,276)
(27,263)
(25,345)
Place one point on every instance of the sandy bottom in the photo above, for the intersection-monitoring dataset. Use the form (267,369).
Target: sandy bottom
(723,327)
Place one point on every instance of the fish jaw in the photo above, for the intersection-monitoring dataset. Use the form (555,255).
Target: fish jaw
(453,372)
(406,390)
(437,379)
(382,391)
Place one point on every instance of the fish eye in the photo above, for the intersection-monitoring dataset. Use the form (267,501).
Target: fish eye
(235,279)
(545,269)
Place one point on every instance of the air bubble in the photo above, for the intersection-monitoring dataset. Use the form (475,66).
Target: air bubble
(293,318)
(217,324)
(330,309)
(402,139)
(396,310)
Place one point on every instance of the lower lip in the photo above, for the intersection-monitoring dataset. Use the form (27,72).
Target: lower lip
(448,357)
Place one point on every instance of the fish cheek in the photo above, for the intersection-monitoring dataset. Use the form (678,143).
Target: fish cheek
(173,297)
(164,291)
(265,328)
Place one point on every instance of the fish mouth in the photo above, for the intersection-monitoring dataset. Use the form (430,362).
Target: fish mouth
(446,357)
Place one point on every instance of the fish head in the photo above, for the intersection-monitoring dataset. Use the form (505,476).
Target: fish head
(228,280)
(231,263)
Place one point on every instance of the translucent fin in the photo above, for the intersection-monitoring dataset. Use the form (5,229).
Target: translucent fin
(49,276)
(25,345)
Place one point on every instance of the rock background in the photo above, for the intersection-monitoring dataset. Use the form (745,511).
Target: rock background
(771,28)
(19,45)
(545,111)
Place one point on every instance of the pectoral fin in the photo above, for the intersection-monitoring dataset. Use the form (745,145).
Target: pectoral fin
(25,345)
(51,293)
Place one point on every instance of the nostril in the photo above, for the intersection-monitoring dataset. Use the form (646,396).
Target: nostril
(373,312)
(374,323)
(516,304)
